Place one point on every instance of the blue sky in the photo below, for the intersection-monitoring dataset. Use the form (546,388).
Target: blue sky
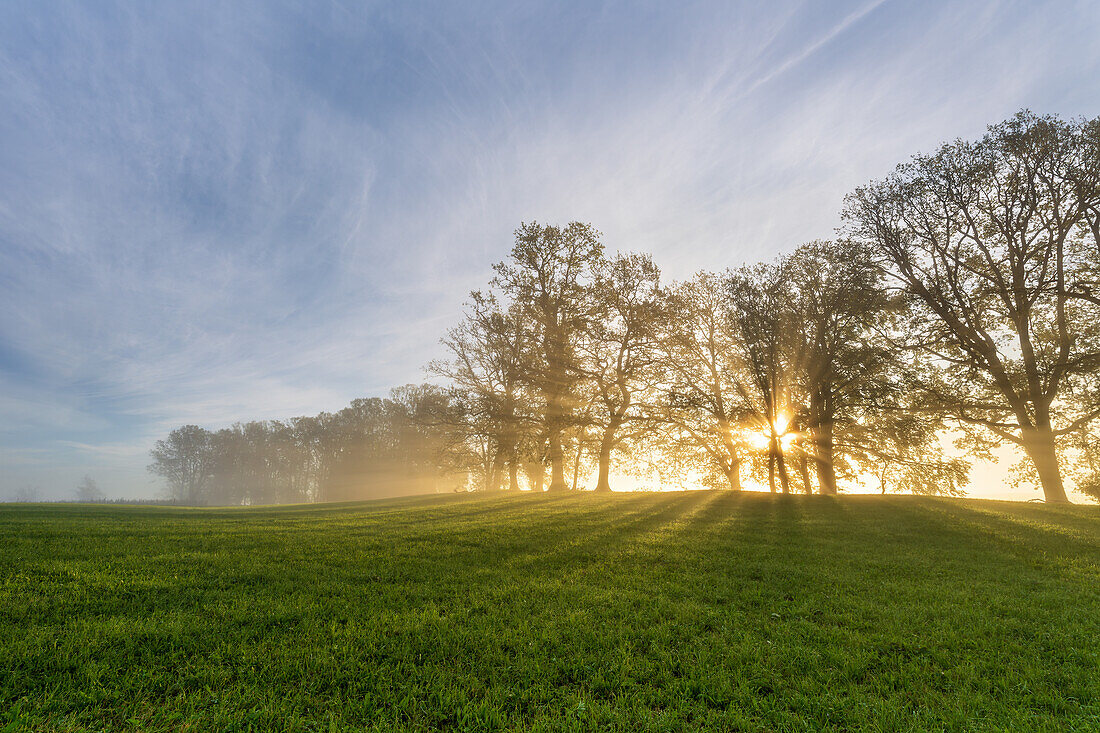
(223,211)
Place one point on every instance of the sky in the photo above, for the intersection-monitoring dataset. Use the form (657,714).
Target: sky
(213,212)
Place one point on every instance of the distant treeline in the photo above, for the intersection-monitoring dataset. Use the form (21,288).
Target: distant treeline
(961,301)
(374,447)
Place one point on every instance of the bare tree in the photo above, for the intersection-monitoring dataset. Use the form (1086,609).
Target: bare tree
(842,362)
(620,352)
(1085,176)
(88,490)
(489,350)
(548,278)
(703,407)
(987,239)
(757,306)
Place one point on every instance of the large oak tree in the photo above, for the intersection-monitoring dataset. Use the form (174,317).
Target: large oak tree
(548,277)
(988,241)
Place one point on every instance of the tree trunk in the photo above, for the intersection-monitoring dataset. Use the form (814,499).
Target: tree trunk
(733,474)
(557,461)
(776,462)
(577,465)
(804,473)
(513,475)
(496,473)
(1039,444)
(537,472)
(823,458)
(784,477)
(603,483)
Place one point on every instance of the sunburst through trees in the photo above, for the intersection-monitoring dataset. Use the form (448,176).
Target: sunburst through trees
(961,302)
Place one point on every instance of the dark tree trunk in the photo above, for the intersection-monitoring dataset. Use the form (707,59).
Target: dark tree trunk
(1039,444)
(496,473)
(513,475)
(538,476)
(804,473)
(557,461)
(823,458)
(603,483)
(776,463)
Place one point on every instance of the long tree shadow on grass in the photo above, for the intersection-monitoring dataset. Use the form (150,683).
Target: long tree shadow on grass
(1037,540)
(586,543)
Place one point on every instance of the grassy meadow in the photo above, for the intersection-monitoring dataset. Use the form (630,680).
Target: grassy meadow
(643,612)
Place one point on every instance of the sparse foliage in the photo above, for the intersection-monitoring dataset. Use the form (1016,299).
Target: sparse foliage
(965,297)
(987,241)
(88,490)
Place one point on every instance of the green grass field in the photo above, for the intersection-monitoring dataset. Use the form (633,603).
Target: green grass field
(696,611)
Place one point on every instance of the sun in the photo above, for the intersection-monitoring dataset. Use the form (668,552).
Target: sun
(761,439)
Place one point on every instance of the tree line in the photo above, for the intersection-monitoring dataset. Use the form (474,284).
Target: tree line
(373,447)
(958,304)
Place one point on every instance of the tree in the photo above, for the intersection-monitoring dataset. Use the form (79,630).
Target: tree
(987,240)
(185,461)
(703,407)
(88,491)
(489,350)
(843,366)
(26,494)
(419,417)
(756,304)
(1085,176)
(548,278)
(394,446)
(620,351)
